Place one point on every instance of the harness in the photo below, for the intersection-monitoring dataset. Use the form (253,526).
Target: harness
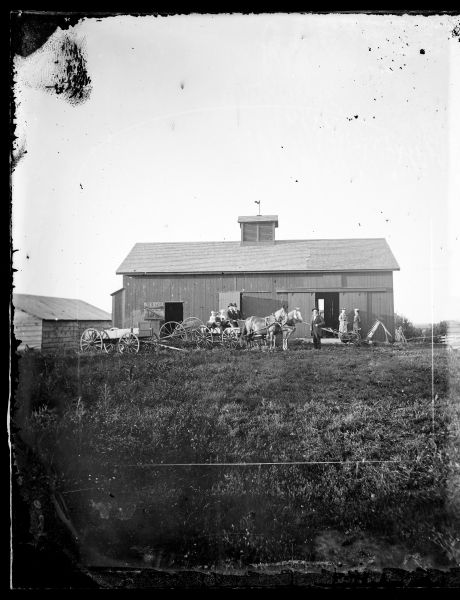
(277,322)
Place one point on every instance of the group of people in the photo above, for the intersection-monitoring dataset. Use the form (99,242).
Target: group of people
(224,318)
(317,323)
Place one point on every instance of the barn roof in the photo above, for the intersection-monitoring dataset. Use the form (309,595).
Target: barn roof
(284,255)
(66,309)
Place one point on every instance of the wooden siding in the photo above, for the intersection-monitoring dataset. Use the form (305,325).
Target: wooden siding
(372,306)
(118,308)
(64,336)
(200,293)
(28,329)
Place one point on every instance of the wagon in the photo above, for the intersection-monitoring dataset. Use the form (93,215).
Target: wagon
(126,341)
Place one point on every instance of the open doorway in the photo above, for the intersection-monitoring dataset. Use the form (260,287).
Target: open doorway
(174,311)
(328,305)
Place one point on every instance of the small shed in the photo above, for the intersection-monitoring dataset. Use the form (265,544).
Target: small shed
(52,324)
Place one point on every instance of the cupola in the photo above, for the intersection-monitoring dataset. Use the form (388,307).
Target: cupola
(259,229)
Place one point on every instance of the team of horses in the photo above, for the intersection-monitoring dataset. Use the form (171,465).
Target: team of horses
(279,322)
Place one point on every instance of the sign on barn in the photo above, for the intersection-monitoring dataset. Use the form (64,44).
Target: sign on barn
(154,311)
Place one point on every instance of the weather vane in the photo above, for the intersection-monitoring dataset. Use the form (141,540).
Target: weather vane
(257,202)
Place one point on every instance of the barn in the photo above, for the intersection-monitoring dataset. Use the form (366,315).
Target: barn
(54,324)
(173,281)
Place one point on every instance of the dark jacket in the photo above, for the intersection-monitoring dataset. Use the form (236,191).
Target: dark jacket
(316,325)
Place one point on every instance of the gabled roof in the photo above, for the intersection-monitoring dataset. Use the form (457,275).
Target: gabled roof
(284,255)
(66,309)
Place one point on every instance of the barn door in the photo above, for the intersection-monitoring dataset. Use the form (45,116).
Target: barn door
(305,301)
(226,297)
(259,305)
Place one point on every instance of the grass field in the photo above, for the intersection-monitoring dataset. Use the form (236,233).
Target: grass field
(107,428)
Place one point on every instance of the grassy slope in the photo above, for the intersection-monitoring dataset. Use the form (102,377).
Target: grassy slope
(113,416)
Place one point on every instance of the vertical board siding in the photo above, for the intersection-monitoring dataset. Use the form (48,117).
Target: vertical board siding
(27,330)
(305,301)
(352,300)
(117,308)
(200,293)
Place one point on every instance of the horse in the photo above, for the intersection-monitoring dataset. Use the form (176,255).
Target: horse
(287,329)
(258,325)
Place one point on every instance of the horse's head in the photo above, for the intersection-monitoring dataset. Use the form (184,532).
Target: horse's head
(281,315)
(296,316)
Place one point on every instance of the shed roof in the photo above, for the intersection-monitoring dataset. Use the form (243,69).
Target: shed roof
(66,309)
(284,255)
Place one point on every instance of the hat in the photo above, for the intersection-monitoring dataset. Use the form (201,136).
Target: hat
(313,309)
(357,309)
(343,309)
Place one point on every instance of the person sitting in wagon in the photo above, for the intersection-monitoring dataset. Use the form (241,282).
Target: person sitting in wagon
(233,314)
(212,323)
(224,319)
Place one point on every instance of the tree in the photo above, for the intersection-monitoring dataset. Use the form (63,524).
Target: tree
(438,329)
(409,329)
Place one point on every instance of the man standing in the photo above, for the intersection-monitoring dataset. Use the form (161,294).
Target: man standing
(317,322)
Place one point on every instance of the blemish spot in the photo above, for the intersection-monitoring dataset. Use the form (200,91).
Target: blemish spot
(81,186)
(356,116)
(182,85)
(422,51)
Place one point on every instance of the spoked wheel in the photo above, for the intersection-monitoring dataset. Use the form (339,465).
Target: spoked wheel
(167,329)
(207,338)
(356,339)
(128,343)
(344,338)
(195,336)
(230,337)
(108,344)
(192,326)
(91,341)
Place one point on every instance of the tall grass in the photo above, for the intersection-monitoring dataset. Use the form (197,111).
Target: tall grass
(106,424)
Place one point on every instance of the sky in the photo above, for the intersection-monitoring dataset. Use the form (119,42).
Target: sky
(345,126)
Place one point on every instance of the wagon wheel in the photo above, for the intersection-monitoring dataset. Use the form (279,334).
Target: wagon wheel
(344,337)
(167,329)
(356,339)
(108,344)
(91,341)
(230,337)
(207,337)
(128,343)
(192,326)
(180,333)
